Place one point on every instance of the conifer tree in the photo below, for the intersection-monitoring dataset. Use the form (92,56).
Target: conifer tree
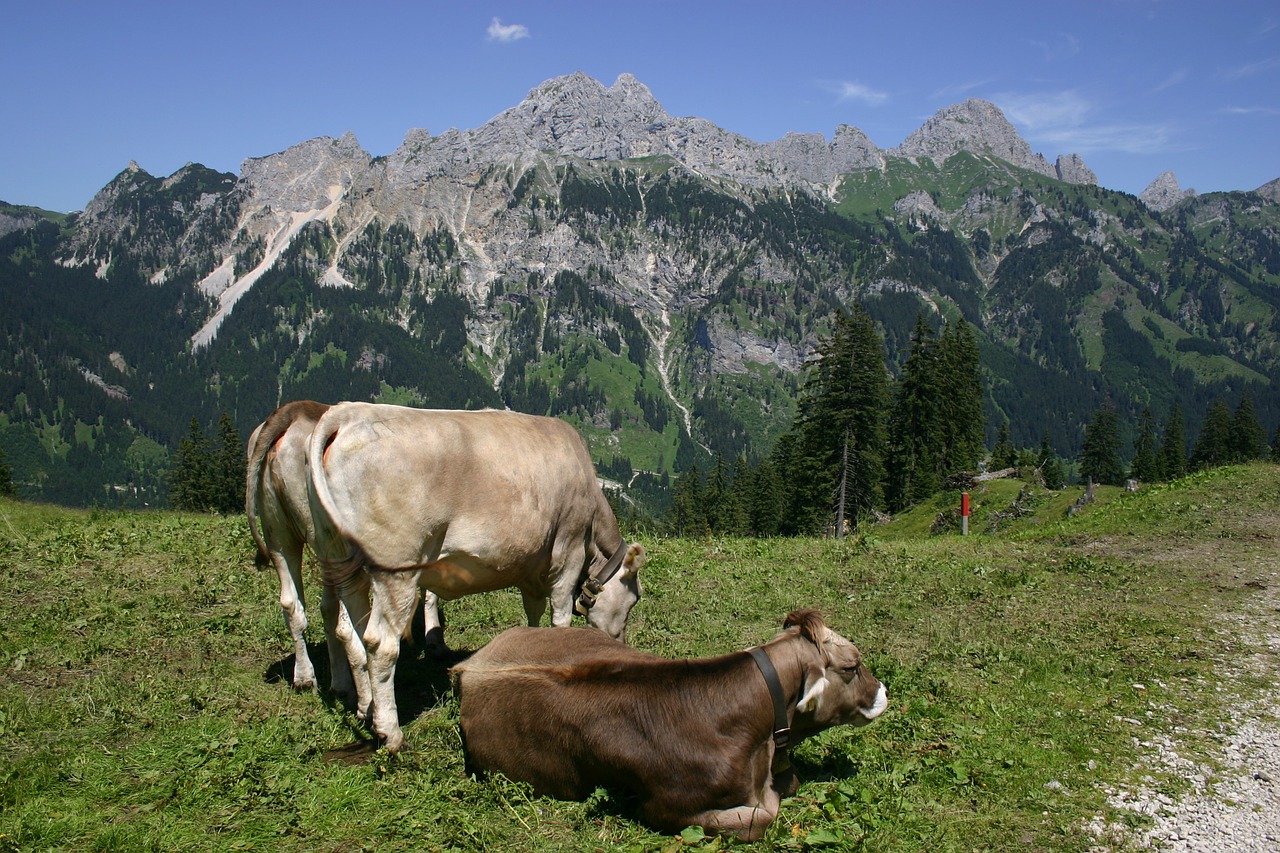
(1004,454)
(1050,465)
(915,429)
(7,489)
(839,453)
(1145,465)
(1213,445)
(1100,456)
(960,395)
(1275,446)
(1173,447)
(1247,439)
(228,467)
(191,480)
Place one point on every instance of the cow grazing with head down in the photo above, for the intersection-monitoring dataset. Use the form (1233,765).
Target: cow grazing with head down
(459,502)
(279,512)
(700,742)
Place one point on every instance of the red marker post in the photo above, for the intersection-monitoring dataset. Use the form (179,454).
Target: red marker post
(964,513)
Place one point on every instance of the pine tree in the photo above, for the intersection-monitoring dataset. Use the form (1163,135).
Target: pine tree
(191,480)
(228,467)
(1275,446)
(1050,465)
(1173,447)
(840,426)
(1213,445)
(688,508)
(960,384)
(1247,439)
(7,488)
(1145,465)
(1004,454)
(915,430)
(1100,456)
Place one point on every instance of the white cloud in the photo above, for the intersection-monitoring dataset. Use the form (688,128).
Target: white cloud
(1064,121)
(849,91)
(499,31)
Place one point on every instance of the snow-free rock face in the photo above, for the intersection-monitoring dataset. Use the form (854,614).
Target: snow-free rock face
(309,176)
(977,126)
(1270,190)
(1071,168)
(1164,192)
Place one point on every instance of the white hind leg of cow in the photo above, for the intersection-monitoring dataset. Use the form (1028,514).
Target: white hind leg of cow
(393,596)
(288,563)
(347,610)
(433,625)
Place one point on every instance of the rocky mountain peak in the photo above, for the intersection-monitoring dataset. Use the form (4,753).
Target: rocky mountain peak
(977,126)
(1164,192)
(308,176)
(1270,190)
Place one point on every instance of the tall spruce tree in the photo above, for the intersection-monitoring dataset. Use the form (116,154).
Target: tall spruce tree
(1100,456)
(915,430)
(7,489)
(1247,438)
(1050,465)
(960,385)
(1173,446)
(839,454)
(1213,444)
(228,465)
(1146,464)
(191,480)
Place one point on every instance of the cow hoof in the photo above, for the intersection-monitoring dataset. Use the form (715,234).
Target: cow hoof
(304,684)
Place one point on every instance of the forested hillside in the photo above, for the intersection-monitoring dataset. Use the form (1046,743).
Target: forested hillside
(672,313)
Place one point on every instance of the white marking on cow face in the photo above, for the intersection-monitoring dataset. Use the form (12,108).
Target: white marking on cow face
(882,702)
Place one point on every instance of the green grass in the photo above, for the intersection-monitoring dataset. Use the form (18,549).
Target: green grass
(145,703)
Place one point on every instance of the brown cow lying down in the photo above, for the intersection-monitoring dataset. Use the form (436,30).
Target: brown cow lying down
(572,710)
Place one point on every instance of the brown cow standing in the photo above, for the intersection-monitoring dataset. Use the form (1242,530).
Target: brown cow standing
(570,711)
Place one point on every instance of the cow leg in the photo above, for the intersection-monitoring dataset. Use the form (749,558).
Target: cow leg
(288,562)
(565,586)
(433,625)
(747,823)
(394,594)
(347,610)
(338,637)
(534,606)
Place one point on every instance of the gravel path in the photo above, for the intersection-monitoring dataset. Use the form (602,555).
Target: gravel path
(1233,806)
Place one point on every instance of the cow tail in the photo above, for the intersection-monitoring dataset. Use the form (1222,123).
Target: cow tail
(335,572)
(263,438)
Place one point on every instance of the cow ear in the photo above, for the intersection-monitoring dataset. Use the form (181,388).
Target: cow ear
(634,559)
(815,684)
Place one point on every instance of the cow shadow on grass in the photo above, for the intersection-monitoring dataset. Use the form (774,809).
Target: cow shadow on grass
(422,683)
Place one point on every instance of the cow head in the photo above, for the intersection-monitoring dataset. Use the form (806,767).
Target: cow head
(619,594)
(839,689)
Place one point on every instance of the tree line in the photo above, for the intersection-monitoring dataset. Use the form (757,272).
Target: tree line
(863,444)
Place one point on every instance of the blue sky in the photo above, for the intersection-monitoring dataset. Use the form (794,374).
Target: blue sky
(1137,87)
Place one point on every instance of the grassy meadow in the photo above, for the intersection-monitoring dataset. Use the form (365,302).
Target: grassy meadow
(145,701)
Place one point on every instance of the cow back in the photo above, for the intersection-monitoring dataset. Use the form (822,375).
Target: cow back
(500,489)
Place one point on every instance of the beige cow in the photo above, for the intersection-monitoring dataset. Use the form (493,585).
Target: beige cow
(459,502)
(279,513)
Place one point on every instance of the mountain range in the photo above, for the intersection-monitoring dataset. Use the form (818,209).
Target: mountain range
(658,280)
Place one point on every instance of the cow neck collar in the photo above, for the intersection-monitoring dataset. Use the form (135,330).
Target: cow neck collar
(594,583)
(782,771)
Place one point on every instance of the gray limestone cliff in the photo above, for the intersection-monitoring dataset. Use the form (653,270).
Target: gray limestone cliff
(1164,193)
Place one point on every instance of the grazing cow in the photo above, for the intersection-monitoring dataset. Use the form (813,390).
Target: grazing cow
(700,742)
(279,511)
(459,502)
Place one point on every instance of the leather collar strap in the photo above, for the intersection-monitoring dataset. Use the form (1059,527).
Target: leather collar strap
(781,727)
(592,586)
